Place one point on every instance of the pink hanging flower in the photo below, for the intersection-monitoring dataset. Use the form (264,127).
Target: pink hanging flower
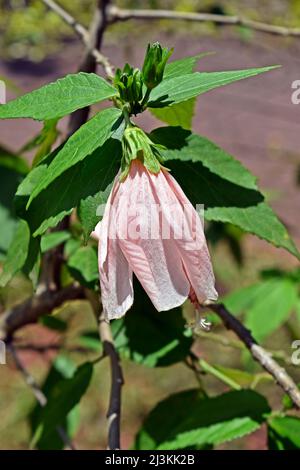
(151,229)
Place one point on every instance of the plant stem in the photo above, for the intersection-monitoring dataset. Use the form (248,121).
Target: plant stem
(146,98)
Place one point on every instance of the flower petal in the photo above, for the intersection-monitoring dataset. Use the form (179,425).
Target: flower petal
(115,281)
(155,261)
(115,273)
(190,239)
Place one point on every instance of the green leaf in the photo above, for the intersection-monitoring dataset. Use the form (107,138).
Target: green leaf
(243,378)
(17,253)
(93,174)
(88,210)
(72,245)
(13,162)
(180,67)
(241,300)
(284,433)
(182,88)
(45,140)
(82,143)
(12,170)
(267,305)
(59,98)
(259,220)
(229,234)
(271,311)
(298,310)
(61,369)
(219,374)
(145,336)
(66,395)
(51,240)
(287,402)
(83,265)
(186,419)
(53,323)
(91,340)
(180,114)
(183,145)
(212,177)
(22,254)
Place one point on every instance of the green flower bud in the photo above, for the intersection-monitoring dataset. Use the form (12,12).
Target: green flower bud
(129,83)
(154,64)
(136,144)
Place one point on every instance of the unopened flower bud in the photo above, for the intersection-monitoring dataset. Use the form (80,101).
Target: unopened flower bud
(154,64)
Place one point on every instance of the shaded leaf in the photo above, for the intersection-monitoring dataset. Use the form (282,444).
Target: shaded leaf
(81,144)
(61,369)
(89,176)
(53,323)
(187,419)
(12,171)
(148,337)
(13,162)
(65,396)
(228,191)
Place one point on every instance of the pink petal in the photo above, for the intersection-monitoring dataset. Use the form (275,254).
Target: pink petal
(116,282)
(156,262)
(193,248)
(115,273)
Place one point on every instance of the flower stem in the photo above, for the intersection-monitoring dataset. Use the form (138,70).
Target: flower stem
(126,115)
(146,98)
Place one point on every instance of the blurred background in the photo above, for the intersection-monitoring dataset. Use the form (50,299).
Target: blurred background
(253,120)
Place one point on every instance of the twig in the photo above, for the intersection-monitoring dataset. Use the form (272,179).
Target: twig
(35,307)
(93,42)
(83,34)
(114,410)
(258,353)
(42,348)
(119,14)
(192,362)
(91,59)
(38,393)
